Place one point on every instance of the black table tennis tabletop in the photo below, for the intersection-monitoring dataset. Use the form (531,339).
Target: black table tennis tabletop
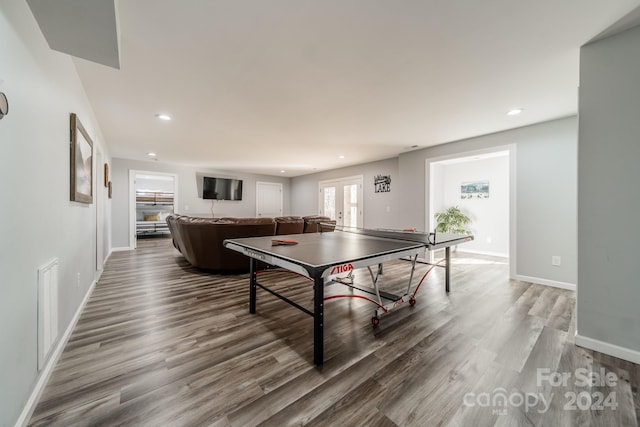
(319,256)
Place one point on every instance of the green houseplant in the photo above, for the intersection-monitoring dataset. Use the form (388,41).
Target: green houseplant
(452,221)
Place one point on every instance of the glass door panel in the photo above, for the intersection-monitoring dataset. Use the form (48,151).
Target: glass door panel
(329,202)
(341,200)
(350,205)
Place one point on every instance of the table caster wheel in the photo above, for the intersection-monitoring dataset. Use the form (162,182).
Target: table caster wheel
(412,301)
(375,321)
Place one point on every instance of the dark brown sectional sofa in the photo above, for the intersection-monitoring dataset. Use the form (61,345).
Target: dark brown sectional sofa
(200,239)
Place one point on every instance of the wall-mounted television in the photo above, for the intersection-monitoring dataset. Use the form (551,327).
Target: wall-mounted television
(221,188)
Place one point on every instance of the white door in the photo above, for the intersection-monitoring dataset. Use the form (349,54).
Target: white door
(342,200)
(268,199)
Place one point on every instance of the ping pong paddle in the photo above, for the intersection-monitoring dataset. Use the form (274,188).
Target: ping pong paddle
(278,242)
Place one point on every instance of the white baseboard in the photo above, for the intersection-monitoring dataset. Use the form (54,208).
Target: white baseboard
(43,378)
(120,249)
(607,348)
(545,282)
(472,251)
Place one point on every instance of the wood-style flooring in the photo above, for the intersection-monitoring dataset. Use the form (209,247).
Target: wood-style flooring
(163,344)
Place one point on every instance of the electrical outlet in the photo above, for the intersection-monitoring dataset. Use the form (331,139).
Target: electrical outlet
(556,260)
(78,281)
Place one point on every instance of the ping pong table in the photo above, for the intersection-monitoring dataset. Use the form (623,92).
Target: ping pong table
(331,257)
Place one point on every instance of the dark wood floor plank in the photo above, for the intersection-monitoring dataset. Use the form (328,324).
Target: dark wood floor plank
(562,313)
(355,408)
(544,305)
(475,409)
(162,343)
(441,405)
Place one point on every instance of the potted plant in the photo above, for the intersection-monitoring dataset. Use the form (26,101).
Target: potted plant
(452,221)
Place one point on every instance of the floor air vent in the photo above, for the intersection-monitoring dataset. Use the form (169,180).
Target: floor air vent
(47,310)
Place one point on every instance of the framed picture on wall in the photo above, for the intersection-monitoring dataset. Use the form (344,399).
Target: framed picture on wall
(81,163)
(474,190)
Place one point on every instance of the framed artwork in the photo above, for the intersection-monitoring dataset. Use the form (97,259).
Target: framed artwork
(109,185)
(81,163)
(474,190)
(382,183)
(106,174)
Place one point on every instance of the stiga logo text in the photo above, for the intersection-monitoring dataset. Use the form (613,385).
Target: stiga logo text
(341,268)
(253,254)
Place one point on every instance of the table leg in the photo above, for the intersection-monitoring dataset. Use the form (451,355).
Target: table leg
(318,320)
(252,285)
(447,255)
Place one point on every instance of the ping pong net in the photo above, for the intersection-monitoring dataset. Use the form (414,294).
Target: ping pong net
(409,235)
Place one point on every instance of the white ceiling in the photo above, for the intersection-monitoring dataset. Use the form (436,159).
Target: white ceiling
(264,86)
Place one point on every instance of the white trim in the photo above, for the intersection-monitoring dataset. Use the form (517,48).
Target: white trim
(608,348)
(120,249)
(472,251)
(262,183)
(546,282)
(132,209)
(339,183)
(43,378)
(513,211)
(132,200)
(513,194)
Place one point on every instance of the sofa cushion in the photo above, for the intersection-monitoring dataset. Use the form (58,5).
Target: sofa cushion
(316,223)
(289,225)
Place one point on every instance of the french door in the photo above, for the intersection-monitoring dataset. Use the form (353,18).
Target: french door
(342,200)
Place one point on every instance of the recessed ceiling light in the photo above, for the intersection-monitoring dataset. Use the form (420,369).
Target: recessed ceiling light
(163,116)
(282,171)
(151,154)
(341,156)
(514,112)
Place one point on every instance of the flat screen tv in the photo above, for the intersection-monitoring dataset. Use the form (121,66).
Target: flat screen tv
(221,188)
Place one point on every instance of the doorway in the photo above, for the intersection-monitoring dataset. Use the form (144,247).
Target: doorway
(152,197)
(342,200)
(491,209)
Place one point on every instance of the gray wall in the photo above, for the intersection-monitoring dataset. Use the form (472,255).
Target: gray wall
(608,202)
(304,193)
(190,200)
(37,220)
(545,187)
